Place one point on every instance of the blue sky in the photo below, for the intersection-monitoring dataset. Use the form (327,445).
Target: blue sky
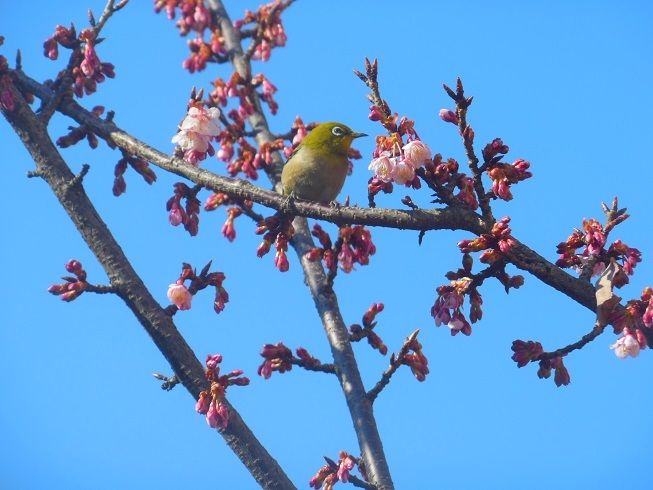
(567,87)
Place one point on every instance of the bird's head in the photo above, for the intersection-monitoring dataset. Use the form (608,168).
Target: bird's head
(331,137)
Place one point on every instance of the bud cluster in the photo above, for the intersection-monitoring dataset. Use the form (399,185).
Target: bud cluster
(181,296)
(248,160)
(209,402)
(194,16)
(275,230)
(268,32)
(498,242)
(332,472)
(78,133)
(221,199)
(530,351)
(85,66)
(137,163)
(74,286)
(187,215)
(279,358)
(443,177)
(592,239)
(416,360)
(503,175)
(367,330)
(6,84)
(354,246)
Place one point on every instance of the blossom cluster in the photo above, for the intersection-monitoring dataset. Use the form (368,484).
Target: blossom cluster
(87,69)
(447,308)
(268,34)
(400,165)
(354,246)
(209,403)
(74,286)
(332,472)
(627,322)
(628,344)
(196,131)
(367,330)
(181,295)
(394,161)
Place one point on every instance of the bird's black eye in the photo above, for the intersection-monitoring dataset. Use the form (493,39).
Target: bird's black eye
(338,131)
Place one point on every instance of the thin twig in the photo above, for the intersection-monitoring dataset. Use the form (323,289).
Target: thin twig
(395,362)
(584,340)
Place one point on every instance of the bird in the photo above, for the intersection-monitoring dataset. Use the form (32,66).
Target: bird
(317,169)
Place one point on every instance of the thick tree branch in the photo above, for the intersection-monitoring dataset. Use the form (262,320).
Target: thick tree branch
(53,169)
(360,407)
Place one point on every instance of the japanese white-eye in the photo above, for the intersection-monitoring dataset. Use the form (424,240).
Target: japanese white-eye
(317,169)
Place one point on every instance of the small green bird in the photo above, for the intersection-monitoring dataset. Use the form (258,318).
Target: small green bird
(317,169)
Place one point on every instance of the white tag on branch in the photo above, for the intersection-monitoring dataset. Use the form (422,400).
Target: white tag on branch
(606,300)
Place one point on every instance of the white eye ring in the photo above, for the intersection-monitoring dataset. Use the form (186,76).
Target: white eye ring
(338,131)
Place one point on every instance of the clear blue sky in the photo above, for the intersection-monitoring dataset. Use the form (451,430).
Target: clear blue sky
(567,87)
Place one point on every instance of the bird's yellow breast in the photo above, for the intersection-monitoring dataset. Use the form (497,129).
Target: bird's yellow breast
(314,175)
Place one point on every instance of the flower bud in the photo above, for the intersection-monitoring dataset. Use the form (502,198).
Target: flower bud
(449,116)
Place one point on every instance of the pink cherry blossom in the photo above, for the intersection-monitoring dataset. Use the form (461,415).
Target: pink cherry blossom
(417,152)
(191,140)
(626,346)
(403,172)
(383,166)
(180,296)
(202,120)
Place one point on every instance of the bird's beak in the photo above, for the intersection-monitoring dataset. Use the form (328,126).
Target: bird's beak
(357,135)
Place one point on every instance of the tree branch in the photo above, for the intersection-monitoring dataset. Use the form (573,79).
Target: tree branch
(129,286)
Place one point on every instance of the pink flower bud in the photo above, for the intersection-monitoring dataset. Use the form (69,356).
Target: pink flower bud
(449,116)
(213,360)
(175,217)
(228,230)
(203,402)
(281,261)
